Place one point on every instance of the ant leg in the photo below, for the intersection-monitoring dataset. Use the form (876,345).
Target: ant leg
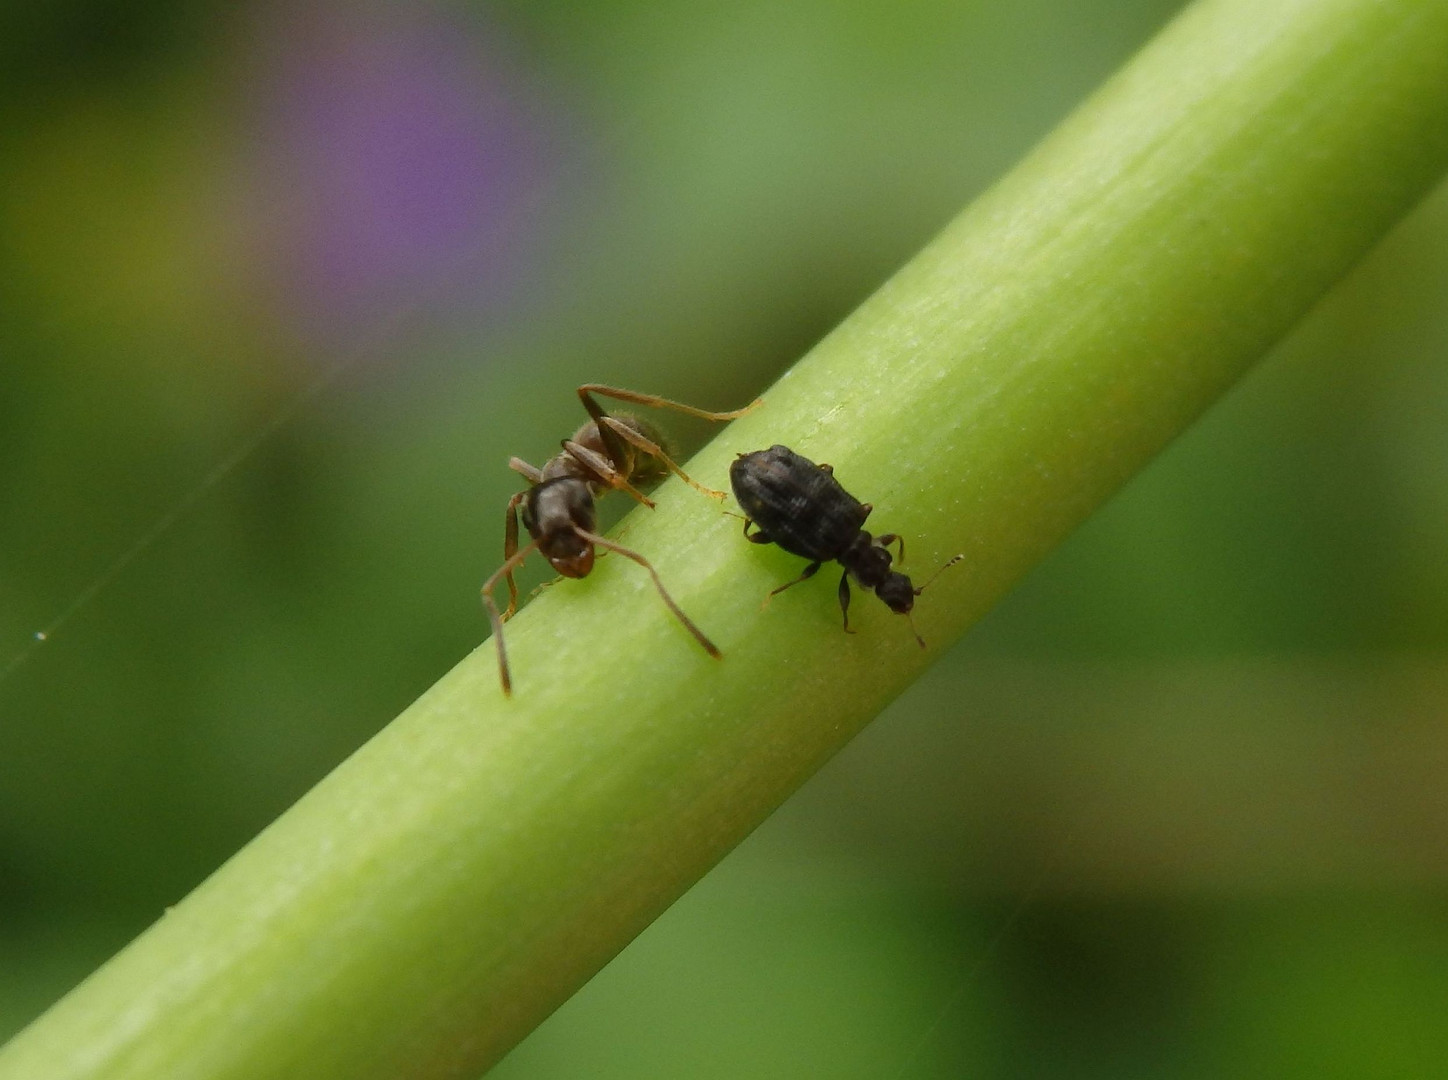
(809,572)
(890,538)
(510,548)
(599,465)
(758,536)
(653,449)
(845,599)
(530,473)
(609,433)
(506,570)
(586,391)
(629,553)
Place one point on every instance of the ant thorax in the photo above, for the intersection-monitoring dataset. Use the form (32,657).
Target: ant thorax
(566,466)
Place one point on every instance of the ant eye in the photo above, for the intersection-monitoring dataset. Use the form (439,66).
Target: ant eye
(574,564)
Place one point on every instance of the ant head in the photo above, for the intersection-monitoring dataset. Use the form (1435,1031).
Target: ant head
(897,592)
(556,506)
(569,554)
(553,513)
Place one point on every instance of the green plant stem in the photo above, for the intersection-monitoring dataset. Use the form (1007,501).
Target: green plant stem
(448,886)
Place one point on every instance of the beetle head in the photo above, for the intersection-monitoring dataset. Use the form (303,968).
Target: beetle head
(897,592)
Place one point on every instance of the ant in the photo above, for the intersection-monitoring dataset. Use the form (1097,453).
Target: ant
(800,506)
(611,452)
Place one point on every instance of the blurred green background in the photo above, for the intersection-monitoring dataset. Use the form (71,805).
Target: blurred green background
(283,286)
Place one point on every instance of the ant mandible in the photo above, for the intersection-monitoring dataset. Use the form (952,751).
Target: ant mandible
(612,452)
(800,506)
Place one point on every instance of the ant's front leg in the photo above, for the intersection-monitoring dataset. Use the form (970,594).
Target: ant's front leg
(510,548)
(530,473)
(511,563)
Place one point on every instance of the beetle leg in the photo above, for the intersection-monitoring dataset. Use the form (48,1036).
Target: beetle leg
(845,599)
(890,538)
(758,536)
(809,572)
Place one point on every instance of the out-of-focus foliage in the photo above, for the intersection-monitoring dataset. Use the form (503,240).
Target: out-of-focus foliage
(282,287)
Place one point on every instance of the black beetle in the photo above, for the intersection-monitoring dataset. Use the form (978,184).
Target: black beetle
(800,506)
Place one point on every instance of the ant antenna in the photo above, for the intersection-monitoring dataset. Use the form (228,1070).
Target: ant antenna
(629,553)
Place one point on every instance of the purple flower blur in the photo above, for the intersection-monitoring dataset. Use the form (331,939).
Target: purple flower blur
(401,162)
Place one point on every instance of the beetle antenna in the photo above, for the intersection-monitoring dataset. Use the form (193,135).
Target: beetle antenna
(948,564)
(911,619)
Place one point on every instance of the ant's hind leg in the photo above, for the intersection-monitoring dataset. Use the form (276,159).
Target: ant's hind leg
(586,391)
(845,599)
(604,471)
(654,450)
